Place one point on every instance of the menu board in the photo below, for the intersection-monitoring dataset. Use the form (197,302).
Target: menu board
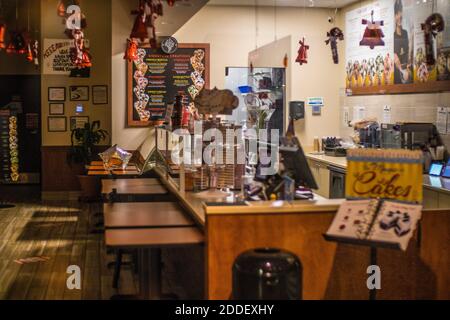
(399,65)
(155,78)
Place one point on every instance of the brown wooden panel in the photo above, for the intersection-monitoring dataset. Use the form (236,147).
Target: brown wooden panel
(430,86)
(332,271)
(128,186)
(329,271)
(57,175)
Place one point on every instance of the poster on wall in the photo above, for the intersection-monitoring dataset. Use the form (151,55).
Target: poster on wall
(399,65)
(56,56)
(155,78)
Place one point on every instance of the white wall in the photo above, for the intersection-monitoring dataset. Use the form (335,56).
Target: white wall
(231,31)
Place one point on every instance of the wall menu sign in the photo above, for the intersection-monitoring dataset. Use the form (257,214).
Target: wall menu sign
(400,65)
(384,174)
(56,56)
(156,78)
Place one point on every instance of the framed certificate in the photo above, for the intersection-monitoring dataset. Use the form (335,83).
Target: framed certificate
(78,122)
(57,94)
(100,94)
(79,93)
(57,124)
(56,109)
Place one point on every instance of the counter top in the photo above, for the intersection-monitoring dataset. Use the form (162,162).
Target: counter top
(340,162)
(436,183)
(195,203)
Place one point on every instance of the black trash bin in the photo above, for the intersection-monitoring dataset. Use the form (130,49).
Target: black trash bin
(267,274)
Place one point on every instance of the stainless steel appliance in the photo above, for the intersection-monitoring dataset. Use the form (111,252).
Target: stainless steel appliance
(337,182)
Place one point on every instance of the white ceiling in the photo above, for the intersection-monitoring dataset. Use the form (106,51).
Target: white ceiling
(284,3)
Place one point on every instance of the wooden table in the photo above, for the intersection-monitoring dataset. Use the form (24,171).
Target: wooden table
(145,215)
(124,185)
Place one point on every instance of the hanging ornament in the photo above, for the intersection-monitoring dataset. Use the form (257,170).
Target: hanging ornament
(35,51)
(373,34)
(139,30)
(18,44)
(131,52)
(2,36)
(286,60)
(171,3)
(334,35)
(302,53)
(61,9)
(432,26)
(80,56)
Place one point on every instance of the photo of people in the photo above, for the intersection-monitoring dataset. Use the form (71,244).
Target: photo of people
(402,47)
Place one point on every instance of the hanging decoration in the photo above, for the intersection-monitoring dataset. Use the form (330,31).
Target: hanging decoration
(80,55)
(302,57)
(18,44)
(432,26)
(171,3)
(334,35)
(144,25)
(373,34)
(131,53)
(286,60)
(2,36)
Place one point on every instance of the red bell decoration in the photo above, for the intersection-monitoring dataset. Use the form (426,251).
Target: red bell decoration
(140,23)
(131,52)
(61,9)
(2,36)
(18,45)
(373,34)
(302,53)
(431,27)
(334,35)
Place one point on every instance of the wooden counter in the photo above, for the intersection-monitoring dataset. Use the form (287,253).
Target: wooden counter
(330,270)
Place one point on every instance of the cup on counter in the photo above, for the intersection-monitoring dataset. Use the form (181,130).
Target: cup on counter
(316,144)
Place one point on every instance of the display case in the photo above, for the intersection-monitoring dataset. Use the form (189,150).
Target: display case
(262,97)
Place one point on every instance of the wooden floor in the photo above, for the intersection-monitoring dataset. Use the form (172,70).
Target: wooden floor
(60,230)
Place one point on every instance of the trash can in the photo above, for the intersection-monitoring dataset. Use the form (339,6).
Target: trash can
(267,274)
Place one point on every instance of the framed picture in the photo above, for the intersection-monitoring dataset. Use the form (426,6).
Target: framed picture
(56,109)
(57,94)
(100,94)
(57,124)
(78,122)
(79,93)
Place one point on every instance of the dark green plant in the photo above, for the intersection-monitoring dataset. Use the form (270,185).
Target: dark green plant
(83,142)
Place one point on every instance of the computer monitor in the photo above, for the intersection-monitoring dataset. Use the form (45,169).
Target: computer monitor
(294,161)
(436,169)
(446,172)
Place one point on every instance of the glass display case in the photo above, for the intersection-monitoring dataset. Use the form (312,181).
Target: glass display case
(262,97)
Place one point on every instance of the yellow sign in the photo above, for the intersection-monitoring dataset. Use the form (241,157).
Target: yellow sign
(385,174)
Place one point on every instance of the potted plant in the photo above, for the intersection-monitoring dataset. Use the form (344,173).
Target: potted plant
(81,152)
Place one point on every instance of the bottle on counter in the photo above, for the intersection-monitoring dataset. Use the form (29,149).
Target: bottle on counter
(177,115)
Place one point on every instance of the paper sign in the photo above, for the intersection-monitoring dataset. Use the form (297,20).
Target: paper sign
(441,119)
(346,117)
(56,56)
(315,102)
(384,174)
(387,114)
(359,113)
